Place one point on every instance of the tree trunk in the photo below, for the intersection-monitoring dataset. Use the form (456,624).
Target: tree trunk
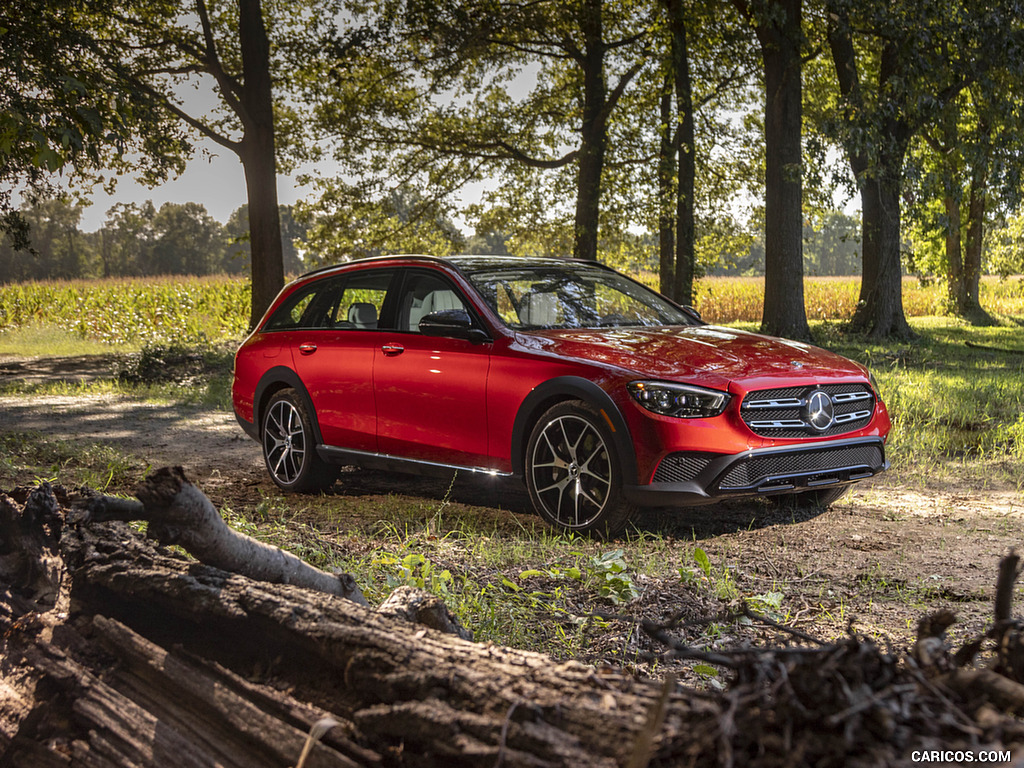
(973,312)
(879,312)
(780,35)
(685,261)
(955,288)
(593,134)
(666,192)
(257,152)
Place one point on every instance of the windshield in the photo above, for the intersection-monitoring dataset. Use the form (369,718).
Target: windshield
(573,296)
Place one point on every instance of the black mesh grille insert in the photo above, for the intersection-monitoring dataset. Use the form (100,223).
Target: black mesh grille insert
(805,465)
(681,467)
(782,413)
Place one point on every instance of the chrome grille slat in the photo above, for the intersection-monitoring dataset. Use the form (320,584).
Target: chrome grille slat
(788,402)
(850,397)
(842,418)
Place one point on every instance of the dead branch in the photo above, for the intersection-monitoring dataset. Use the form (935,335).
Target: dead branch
(179,513)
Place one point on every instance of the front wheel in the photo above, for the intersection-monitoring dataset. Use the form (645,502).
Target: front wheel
(573,472)
(288,446)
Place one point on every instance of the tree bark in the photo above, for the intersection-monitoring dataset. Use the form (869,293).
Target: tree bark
(973,310)
(179,513)
(258,154)
(955,287)
(666,191)
(593,132)
(685,267)
(154,669)
(780,35)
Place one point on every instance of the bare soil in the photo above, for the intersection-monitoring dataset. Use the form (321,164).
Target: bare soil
(881,557)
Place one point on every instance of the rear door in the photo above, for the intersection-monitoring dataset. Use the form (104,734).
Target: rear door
(431,392)
(334,357)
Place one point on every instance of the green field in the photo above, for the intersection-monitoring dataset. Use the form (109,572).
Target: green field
(127,313)
(132,313)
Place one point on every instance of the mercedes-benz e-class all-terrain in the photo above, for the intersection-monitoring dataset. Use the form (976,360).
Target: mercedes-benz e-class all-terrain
(600,394)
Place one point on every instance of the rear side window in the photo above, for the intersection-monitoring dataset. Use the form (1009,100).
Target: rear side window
(359,303)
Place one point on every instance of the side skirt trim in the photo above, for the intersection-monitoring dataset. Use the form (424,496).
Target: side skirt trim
(410,466)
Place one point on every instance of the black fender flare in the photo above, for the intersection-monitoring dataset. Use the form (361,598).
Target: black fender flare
(572,388)
(275,377)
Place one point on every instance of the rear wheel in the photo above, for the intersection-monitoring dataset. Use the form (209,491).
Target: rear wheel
(573,473)
(289,449)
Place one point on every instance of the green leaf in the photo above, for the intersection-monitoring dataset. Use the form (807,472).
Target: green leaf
(702,560)
(530,573)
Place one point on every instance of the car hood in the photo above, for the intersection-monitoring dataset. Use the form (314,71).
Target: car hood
(709,355)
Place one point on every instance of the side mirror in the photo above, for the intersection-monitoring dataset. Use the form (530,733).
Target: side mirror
(690,311)
(452,324)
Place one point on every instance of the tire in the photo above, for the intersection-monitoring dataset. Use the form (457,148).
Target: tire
(818,499)
(289,449)
(573,473)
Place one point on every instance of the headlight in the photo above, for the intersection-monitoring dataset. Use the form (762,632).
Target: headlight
(679,400)
(874,384)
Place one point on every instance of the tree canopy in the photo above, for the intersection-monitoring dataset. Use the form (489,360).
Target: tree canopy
(676,137)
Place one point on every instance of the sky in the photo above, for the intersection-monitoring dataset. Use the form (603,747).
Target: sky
(213,177)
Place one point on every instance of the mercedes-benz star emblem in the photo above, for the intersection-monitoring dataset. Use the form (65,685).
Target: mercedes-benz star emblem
(819,410)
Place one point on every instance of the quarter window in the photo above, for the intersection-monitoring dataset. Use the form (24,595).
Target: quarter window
(351,302)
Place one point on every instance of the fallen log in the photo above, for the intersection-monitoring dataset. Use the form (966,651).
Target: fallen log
(179,513)
(120,652)
(155,655)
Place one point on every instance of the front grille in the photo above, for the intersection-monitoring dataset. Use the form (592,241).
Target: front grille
(682,467)
(808,466)
(783,413)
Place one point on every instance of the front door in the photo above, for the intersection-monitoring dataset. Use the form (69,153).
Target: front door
(431,392)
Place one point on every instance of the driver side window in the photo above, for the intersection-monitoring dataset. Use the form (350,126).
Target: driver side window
(423,294)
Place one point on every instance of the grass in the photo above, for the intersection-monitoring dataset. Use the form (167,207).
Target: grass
(31,458)
(956,396)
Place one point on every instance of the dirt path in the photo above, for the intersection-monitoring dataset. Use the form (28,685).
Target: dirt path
(209,444)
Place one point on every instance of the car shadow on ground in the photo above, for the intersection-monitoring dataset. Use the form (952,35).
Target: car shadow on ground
(508,494)
(720,518)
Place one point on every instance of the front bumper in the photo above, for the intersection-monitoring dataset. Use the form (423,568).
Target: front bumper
(691,478)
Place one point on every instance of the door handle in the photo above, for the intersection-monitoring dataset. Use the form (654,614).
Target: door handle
(307,348)
(392,350)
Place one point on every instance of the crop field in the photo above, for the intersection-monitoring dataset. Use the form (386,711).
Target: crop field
(133,313)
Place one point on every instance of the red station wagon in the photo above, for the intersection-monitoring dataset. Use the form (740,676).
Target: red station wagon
(602,395)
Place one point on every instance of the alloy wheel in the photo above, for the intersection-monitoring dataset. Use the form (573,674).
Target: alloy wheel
(284,442)
(571,471)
